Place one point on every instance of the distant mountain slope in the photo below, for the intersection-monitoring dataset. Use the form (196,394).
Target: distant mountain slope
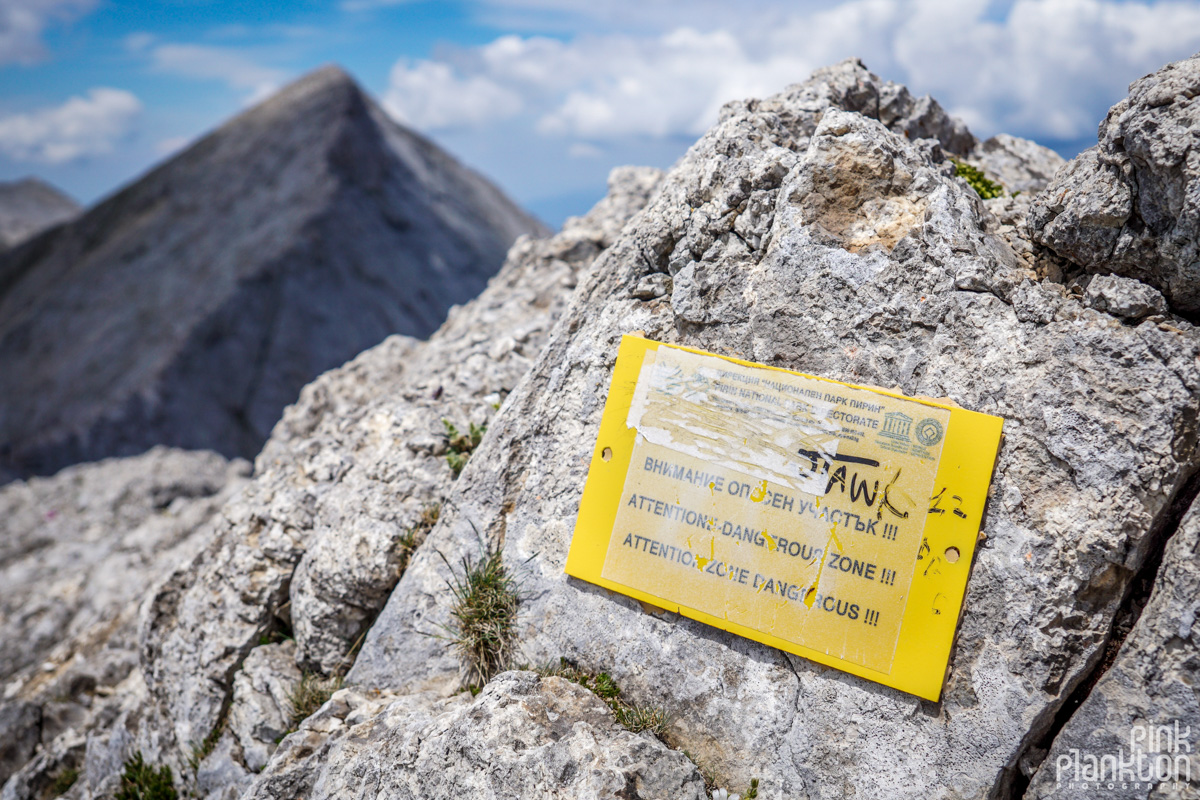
(29,206)
(190,308)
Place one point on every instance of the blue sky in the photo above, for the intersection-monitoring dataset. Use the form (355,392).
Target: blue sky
(545,96)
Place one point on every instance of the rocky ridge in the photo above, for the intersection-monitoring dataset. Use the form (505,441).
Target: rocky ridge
(30,206)
(352,467)
(802,232)
(77,553)
(1131,204)
(824,230)
(298,234)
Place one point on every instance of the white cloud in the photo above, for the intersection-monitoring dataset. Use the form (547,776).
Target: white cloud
(584,150)
(231,67)
(80,127)
(22,23)
(429,95)
(140,41)
(575,16)
(1051,68)
(1046,68)
(673,84)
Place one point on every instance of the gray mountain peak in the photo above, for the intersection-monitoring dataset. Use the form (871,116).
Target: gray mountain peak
(190,307)
(28,207)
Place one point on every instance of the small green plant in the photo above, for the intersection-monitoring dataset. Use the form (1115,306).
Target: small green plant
(197,755)
(312,692)
(406,547)
(274,637)
(709,776)
(202,750)
(63,781)
(141,781)
(484,616)
(279,632)
(461,445)
(985,188)
(643,718)
(629,715)
(412,538)
(752,792)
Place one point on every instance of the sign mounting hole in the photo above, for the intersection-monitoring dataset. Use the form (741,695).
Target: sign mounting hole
(952,554)
(606,454)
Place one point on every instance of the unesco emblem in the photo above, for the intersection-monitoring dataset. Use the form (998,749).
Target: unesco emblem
(929,432)
(896,425)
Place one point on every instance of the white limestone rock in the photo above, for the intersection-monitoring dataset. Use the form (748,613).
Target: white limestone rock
(1131,204)
(1144,710)
(524,736)
(853,265)
(314,542)
(77,552)
(1124,297)
(1017,164)
(261,711)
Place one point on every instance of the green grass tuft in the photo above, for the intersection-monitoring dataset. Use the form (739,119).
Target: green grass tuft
(985,188)
(202,750)
(278,633)
(629,715)
(484,616)
(140,781)
(709,776)
(643,718)
(415,535)
(605,687)
(461,445)
(63,781)
(307,696)
(274,637)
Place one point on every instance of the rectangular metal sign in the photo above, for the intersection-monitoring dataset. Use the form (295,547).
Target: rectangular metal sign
(833,521)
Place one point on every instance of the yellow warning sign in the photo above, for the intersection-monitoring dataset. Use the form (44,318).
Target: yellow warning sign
(832,521)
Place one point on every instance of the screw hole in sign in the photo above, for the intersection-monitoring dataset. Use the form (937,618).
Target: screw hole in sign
(606,454)
(952,554)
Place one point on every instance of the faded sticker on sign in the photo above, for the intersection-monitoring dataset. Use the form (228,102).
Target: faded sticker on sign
(791,509)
